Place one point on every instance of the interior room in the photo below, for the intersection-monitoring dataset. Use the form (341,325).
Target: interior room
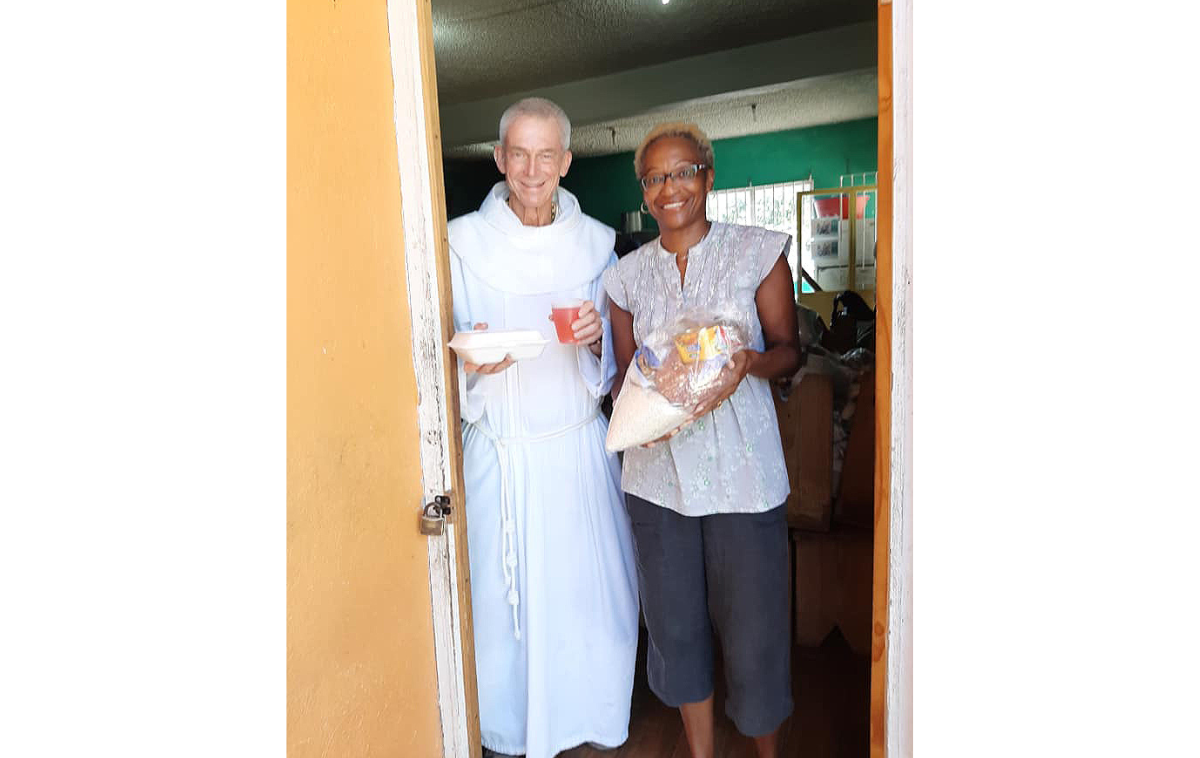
(787,91)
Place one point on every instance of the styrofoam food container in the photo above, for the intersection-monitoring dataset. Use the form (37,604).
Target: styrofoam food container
(491,345)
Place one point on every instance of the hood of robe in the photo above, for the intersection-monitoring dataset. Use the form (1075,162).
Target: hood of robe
(532,260)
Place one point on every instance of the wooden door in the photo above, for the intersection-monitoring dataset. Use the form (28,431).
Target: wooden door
(379,653)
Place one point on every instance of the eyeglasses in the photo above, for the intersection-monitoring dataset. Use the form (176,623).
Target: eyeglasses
(679,174)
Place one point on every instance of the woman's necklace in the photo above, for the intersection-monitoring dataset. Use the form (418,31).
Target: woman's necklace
(681,262)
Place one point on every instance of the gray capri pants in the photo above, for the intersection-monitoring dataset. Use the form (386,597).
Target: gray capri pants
(727,571)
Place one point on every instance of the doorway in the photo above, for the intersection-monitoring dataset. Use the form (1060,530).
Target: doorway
(456,197)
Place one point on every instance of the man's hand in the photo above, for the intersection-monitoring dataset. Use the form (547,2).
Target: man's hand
(487,368)
(588,329)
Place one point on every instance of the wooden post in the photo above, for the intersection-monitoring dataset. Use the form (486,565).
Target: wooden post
(883,390)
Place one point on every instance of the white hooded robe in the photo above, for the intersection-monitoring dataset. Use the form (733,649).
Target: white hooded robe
(555,599)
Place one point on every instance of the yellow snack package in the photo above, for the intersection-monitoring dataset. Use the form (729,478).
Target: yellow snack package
(702,344)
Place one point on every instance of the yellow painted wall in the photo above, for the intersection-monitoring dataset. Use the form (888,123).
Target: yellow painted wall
(360,664)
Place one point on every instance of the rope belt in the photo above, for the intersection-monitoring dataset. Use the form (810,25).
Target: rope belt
(509,557)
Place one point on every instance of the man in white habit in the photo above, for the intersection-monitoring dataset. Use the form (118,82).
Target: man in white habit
(553,578)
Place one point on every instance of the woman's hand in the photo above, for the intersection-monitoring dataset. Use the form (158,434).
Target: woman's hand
(732,374)
(666,436)
(487,368)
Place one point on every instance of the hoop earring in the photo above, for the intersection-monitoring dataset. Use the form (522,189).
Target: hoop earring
(644,208)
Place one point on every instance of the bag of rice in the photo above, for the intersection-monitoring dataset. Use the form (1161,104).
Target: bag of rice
(677,368)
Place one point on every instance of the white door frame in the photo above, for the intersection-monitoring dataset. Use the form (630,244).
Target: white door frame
(425,254)
(898,676)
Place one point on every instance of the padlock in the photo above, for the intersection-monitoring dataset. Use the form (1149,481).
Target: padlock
(432,524)
(433,517)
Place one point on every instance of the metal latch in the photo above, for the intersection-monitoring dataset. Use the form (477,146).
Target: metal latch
(433,518)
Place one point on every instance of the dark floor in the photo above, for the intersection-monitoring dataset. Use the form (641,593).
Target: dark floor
(831,688)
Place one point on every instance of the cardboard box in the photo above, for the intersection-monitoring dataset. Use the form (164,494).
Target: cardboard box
(806,430)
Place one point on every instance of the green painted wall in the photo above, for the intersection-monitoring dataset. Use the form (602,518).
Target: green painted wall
(467,182)
(606,186)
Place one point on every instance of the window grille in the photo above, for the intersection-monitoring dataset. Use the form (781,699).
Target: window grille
(770,205)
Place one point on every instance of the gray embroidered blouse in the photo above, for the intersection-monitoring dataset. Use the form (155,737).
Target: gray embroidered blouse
(730,461)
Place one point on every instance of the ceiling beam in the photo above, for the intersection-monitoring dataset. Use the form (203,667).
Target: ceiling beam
(629,93)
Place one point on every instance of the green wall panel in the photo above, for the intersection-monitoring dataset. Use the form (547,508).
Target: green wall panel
(606,186)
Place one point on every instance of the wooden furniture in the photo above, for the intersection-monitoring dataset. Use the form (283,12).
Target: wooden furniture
(832,586)
(856,493)
(806,430)
(831,545)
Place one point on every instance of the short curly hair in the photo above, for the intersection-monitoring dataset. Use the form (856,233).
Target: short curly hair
(675,129)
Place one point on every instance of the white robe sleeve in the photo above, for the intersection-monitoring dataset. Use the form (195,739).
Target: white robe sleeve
(598,373)
(472,388)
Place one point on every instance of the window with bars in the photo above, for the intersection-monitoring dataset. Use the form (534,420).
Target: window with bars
(826,233)
(770,205)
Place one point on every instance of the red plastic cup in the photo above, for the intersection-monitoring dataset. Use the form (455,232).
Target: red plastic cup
(565,313)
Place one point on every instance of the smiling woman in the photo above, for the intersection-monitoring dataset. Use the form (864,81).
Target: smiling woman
(674,165)
(706,503)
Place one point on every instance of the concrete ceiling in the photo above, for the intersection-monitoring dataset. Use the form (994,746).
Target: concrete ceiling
(808,102)
(624,65)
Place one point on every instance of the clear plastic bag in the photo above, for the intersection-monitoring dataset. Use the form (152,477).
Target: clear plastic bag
(677,368)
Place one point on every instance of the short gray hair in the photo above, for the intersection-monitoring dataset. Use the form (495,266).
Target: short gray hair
(542,108)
